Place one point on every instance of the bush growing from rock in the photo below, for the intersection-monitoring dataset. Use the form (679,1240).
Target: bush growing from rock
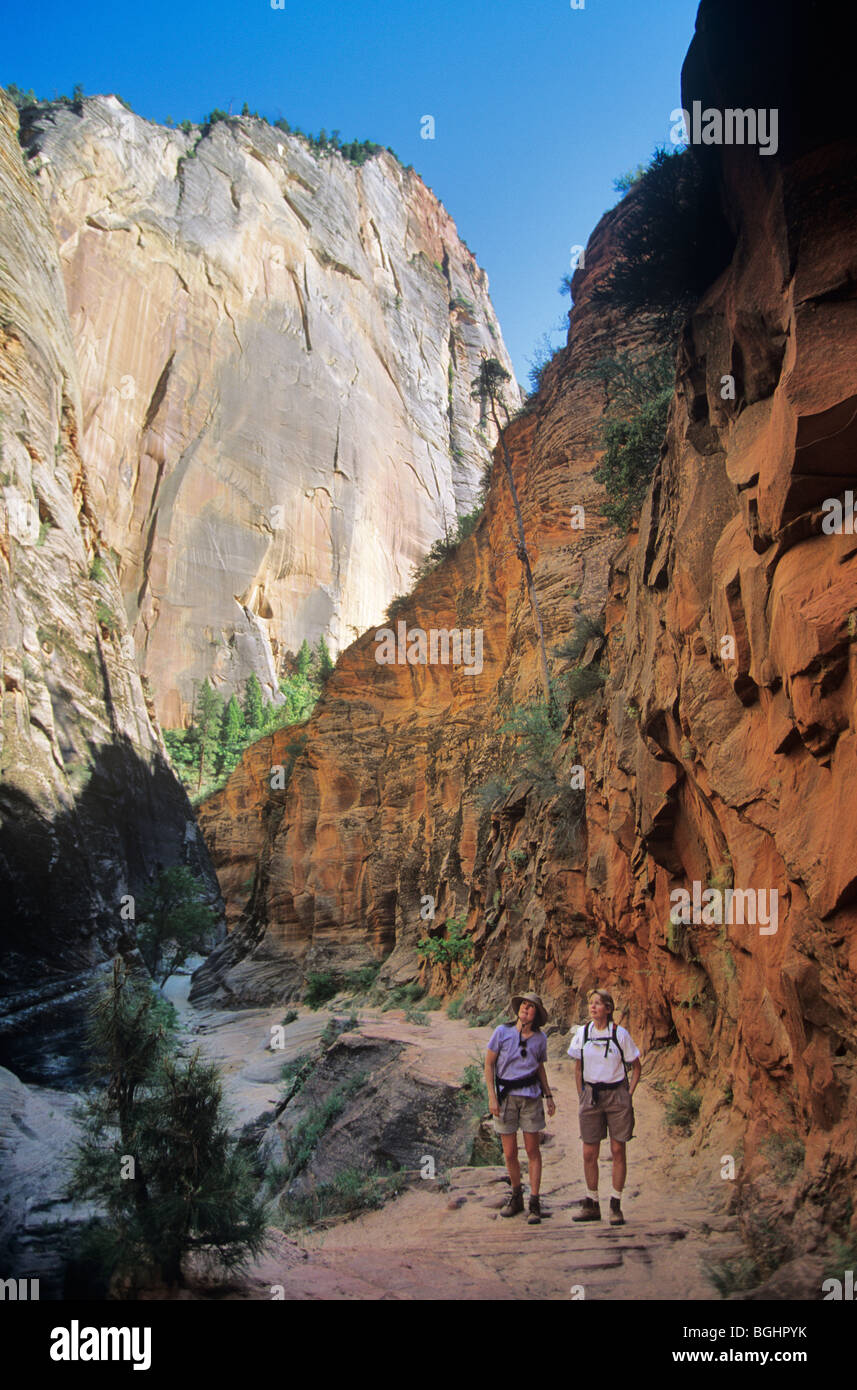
(321,985)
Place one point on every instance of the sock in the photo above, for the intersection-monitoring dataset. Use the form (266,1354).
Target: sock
(617,1195)
(592,1195)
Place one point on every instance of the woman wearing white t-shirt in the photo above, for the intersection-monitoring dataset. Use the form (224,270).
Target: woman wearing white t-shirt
(600,1049)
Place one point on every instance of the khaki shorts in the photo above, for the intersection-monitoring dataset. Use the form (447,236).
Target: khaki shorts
(520,1112)
(614,1111)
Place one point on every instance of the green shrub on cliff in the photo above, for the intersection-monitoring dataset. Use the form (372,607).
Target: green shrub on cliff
(104,614)
(538,731)
(453,952)
(631,456)
(448,543)
(21,99)
(585,629)
(626,181)
(639,391)
(671,242)
(543,354)
(584,680)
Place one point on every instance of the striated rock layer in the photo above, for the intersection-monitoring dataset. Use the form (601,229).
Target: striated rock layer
(727,764)
(275,353)
(89,809)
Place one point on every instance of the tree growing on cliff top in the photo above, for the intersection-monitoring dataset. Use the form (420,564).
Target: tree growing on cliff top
(21,98)
(155,1151)
(672,241)
(488,386)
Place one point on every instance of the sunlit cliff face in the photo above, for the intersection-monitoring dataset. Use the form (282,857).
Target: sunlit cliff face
(276,352)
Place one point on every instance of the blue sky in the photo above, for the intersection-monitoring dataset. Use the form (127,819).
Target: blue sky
(537,106)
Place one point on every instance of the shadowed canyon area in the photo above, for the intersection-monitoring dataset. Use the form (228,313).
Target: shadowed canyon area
(236,408)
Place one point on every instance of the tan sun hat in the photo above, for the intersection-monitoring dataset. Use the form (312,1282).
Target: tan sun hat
(541,1011)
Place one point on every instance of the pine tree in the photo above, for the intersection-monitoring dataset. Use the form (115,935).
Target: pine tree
(254,714)
(233,735)
(155,1151)
(183,748)
(172,921)
(304,659)
(209,719)
(325,660)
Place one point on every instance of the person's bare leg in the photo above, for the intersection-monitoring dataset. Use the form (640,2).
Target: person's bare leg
(590,1165)
(510,1153)
(620,1164)
(534,1154)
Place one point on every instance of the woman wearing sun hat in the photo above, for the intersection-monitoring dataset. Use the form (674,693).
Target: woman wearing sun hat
(516,1080)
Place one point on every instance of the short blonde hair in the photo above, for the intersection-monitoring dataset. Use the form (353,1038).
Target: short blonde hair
(606,999)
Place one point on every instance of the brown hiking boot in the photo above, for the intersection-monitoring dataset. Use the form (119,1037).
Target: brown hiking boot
(589,1211)
(535,1215)
(513,1203)
(616,1217)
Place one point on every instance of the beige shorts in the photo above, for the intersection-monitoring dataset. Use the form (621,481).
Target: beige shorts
(520,1112)
(614,1111)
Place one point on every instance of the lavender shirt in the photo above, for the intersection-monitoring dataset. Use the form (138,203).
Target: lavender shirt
(506,1041)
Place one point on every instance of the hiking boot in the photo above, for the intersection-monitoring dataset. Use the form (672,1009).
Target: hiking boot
(616,1217)
(589,1211)
(513,1203)
(535,1215)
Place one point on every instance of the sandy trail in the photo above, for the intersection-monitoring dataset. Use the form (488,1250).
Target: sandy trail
(439,1242)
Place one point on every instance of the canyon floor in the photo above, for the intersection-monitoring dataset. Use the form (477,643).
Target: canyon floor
(439,1240)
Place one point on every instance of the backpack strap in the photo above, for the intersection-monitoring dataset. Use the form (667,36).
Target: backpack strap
(613,1038)
(582,1052)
